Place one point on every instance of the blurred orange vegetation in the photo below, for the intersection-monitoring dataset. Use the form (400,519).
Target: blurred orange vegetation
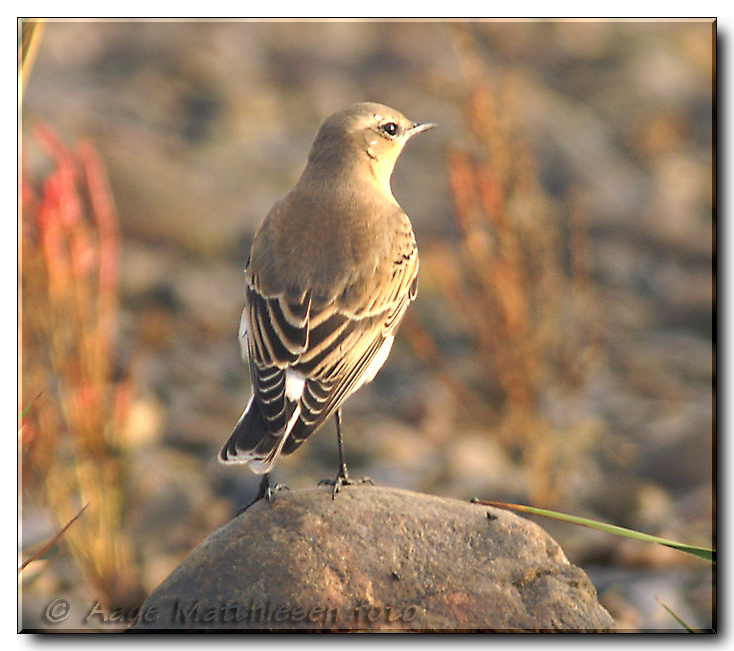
(519,283)
(75,406)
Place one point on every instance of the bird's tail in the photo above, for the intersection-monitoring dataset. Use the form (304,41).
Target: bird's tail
(251,442)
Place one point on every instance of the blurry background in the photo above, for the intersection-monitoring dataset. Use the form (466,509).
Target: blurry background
(560,352)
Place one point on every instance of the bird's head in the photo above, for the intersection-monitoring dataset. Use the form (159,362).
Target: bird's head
(367,135)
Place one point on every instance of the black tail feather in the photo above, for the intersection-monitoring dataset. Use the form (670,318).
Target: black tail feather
(250,440)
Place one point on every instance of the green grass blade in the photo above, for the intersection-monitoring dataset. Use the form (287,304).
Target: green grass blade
(677,619)
(29,405)
(53,540)
(25,410)
(700,552)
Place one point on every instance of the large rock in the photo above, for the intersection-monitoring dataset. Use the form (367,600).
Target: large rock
(375,558)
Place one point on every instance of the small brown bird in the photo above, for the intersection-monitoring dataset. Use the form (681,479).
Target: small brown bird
(332,270)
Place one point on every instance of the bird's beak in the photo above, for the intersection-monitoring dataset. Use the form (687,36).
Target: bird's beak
(419,128)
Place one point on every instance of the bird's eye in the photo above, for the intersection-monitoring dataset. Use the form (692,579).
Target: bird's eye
(390,128)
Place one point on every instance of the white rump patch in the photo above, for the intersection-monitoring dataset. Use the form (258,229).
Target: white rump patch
(294,384)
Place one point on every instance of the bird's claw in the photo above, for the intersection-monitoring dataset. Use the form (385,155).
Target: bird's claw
(343,479)
(266,492)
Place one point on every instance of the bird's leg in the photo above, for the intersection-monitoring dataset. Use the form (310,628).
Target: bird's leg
(266,491)
(342,476)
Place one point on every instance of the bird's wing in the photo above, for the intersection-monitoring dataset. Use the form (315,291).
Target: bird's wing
(277,334)
(331,347)
(349,346)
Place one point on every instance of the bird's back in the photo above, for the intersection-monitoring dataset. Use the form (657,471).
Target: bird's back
(358,240)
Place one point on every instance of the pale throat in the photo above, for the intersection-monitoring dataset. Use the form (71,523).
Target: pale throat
(382,168)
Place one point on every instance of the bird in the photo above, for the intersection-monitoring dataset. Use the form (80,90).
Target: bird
(332,270)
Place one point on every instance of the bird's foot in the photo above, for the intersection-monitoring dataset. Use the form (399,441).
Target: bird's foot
(266,492)
(343,479)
